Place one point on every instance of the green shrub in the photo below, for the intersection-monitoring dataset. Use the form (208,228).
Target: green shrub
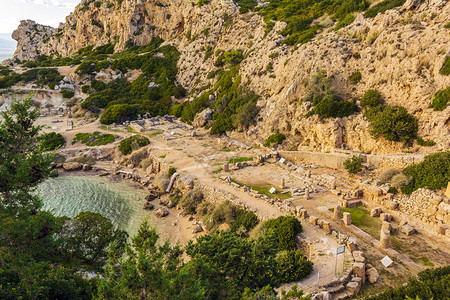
(286,229)
(333,106)
(244,219)
(394,123)
(67,93)
(355,77)
(225,212)
(425,143)
(441,99)
(293,266)
(392,190)
(172,171)
(353,164)
(371,98)
(399,180)
(387,175)
(52,141)
(432,173)
(94,139)
(132,143)
(445,70)
(274,139)
(382,6)
(119,113)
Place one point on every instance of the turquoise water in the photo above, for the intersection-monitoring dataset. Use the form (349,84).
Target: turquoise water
(119,201)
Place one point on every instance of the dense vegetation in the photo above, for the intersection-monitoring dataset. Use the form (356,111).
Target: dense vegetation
(235,105)
(445,70)
(49,77)
(441,99)
(132,143)
(382,6)
(326,103)
(432,173)
(286,229)
(94,139)
(52,141)
(429,284)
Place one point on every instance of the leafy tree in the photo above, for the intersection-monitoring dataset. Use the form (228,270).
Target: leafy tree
(88,236)
(274,139)
(353,164)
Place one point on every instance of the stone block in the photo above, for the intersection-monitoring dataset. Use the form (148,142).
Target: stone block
(313,220)
(375,212)
(337,212)
(372,275)
(360,259)
(353,288)
(447,192)
(326,226)
(385,236)
(385,217)
(441,229)
(359,270)
(347,218)
(407,229)
(386,226)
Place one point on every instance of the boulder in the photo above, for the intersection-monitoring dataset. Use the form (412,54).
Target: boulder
(375,212)
(359,270)
(197,228)
(372,275)
(87,167)
(148,206)
(152,195)
(202,118)
(353,288)
(72,166)
(407,229)
(161,212)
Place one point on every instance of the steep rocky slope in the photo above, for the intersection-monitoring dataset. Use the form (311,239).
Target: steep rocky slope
(399,53)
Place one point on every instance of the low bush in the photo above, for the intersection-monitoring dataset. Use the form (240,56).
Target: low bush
(382,6)
(52,141)
(286,229)
(371,98)
(355,77)
(274,139)
(441,99)
(132,143)
(225,212)
(425,143)
(162,181)
(333,107)
(394,123)
(292,266)
(172,171)
(244,219)
(445,70)
(387,175)
(392,190)
(191,200)
(432,173)
(353,164)
(399,180)
(67,93)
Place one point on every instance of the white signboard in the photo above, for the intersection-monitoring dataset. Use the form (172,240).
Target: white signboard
(386,261)
(272,190)
(282,160)
(340,250)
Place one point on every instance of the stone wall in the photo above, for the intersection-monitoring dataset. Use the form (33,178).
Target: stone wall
(336,160)
(427,206)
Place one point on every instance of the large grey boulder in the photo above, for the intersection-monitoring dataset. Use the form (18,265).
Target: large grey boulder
(72,166)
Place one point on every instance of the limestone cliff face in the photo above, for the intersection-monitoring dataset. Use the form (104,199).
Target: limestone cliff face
(398,53)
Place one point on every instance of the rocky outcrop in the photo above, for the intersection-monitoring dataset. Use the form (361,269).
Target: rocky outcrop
(72,166)
(398,53)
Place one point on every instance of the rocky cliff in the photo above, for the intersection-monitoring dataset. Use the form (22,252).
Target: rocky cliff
(399,53)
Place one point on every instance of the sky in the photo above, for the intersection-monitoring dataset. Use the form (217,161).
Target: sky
(45,12)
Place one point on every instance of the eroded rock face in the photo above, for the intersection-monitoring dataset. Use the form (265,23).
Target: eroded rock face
(398,53)
(203,117)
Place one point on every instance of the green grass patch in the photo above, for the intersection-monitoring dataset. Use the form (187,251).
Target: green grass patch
(225,150)
(162,156)
(94,139)
(264,190)
(239,159)
(108,128)
(153,134)
(361,218)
